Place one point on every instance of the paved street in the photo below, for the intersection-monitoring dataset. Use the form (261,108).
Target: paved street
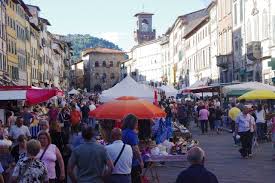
(224,160)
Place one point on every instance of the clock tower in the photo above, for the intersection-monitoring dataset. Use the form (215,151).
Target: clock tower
(144,31)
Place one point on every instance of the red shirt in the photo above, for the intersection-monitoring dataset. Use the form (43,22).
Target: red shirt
(75,117)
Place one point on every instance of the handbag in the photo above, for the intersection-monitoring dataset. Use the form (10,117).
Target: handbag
(120,153)
(43,152)
(106,177)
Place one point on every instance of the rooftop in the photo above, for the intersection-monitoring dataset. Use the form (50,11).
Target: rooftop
(37,7)
(143,13)
(193,23)
(102,50)
(45,21)
(25,7)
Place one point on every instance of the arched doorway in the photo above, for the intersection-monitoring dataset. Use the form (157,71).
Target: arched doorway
(97,88)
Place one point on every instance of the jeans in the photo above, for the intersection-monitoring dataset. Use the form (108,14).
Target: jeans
(92,122)
(218,124)
(119,179)
(212,124)
(204,126)
(246,141)
(233,125)
(260,130)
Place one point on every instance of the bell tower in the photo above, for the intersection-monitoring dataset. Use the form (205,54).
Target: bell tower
(144,31)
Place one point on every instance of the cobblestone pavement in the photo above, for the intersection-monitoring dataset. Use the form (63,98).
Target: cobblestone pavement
(224,160)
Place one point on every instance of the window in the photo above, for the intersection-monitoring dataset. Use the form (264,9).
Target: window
(104,64)
(96,76)
(241,10)
(117,64)
(96,64)
(235,14)
(1,62)
(249,33)
(256,27)
(112,76)
(111,63)
(273,27)
(265,25)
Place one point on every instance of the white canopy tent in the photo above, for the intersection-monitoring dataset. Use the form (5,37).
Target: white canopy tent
(128,87)
(169,90)
(248,86)
(73,92)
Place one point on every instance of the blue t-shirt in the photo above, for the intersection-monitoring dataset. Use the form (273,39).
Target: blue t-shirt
(130,137)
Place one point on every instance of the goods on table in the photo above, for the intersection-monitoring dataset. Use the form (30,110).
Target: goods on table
(181,131)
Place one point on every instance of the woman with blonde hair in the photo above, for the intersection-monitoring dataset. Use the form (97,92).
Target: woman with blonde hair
(30,168)
(48,154)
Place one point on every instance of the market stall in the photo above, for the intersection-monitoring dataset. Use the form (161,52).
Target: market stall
(122,106)
(169,90)
(73,92)
(240,89)
(128,87)
(258,95)
(159,140)
(31,95)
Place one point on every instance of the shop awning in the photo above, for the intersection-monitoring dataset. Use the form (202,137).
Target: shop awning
(202,89)
(32,95)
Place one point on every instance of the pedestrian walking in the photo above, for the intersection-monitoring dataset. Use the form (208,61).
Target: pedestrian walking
(19,129)
(30,168)
(218,119)
(182,114)
(196,173)
(212,117)
(122,155)
(260,122)
(75,120)
(233,114)
(90,159)
(50,155)
(130,137)
(243,127)
(203,118)
(19,151)
(273,137)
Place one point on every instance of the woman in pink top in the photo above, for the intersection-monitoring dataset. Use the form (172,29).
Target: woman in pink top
(203,117)
(48,154)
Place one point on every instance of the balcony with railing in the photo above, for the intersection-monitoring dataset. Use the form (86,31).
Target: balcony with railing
(224,60)
(254,50)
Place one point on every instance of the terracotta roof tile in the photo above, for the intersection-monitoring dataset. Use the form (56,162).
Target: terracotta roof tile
(102,50)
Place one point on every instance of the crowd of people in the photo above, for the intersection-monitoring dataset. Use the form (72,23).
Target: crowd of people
(49,142)
(249,124)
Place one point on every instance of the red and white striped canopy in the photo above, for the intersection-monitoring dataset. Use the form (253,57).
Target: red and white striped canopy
(32,95)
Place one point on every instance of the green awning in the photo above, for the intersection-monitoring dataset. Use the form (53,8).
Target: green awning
(236,93)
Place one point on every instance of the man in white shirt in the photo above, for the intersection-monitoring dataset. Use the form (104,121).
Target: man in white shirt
(121,154)
(19,129)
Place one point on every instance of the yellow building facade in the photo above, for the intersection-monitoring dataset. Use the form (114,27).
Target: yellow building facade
(11,40)
(22,16)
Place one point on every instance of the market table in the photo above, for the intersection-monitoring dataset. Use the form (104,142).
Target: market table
(152,164)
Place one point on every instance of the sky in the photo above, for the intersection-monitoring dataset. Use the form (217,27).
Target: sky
(112,19)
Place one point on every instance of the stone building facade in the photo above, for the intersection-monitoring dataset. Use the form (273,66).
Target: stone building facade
(101,68)
(225,47)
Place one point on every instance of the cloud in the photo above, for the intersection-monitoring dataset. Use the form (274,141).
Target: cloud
(114,37)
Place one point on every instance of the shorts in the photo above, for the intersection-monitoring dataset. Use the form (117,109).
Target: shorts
(218,123)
